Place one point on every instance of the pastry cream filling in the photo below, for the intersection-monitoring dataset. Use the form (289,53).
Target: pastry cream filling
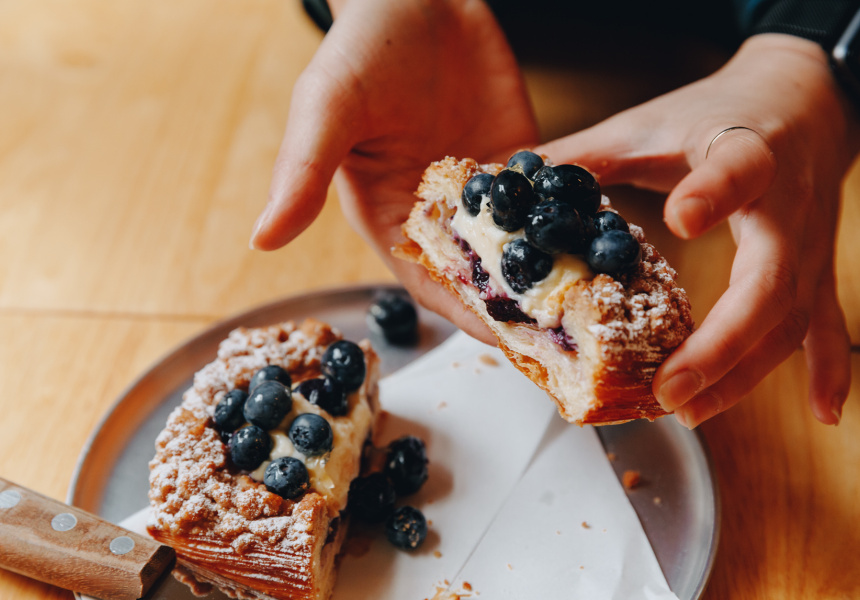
(543,302)
(331,473)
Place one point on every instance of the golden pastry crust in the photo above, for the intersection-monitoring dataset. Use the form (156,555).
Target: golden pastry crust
(227,528)
(618,330)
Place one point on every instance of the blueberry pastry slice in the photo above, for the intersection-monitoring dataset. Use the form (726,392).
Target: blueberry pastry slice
(250,480)
(578,299)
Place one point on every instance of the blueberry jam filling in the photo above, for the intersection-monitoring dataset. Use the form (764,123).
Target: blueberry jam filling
(560,337)
(507,310)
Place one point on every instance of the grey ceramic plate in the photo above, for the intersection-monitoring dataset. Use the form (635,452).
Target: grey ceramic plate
(678,503)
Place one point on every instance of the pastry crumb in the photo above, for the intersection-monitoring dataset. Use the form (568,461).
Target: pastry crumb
(611,456)
(658,500)
(585,525)
(437,554)
(631,479)
(510,567)
(488,360)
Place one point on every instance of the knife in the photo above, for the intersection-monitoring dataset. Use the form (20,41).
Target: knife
(65,546)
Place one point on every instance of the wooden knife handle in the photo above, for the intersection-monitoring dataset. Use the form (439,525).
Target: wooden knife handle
(73,549)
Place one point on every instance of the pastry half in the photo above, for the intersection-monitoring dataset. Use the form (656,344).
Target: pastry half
(226,523)
(592,340)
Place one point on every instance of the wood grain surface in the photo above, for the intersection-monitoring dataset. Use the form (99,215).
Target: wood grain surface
(136,144)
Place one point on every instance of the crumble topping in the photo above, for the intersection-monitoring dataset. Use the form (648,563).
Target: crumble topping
(193,489)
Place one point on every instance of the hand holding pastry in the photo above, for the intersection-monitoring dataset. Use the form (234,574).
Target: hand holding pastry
(395,85)
(778,136)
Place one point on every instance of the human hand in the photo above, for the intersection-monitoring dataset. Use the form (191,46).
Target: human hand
(779,189)
(395,85)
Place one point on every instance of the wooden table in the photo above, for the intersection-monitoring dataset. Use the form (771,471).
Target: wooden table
(136,142)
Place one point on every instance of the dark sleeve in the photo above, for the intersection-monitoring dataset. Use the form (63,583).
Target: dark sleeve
(818,20)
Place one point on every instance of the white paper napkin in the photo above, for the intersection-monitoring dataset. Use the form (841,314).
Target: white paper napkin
(523,505)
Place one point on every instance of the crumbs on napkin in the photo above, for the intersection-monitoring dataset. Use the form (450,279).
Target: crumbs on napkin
(488,360)
(444,593)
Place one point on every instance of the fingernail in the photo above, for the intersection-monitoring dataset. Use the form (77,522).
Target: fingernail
(836,409)
(681,417)
(679,388)
(258,225)
(691,216)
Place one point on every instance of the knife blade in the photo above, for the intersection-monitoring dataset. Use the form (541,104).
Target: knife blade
(62,545)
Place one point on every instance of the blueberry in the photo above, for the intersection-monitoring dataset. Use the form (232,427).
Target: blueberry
(326,393)
(371,498)
(287,477)
(228,415)
(614,252)
(406,528)
(511,198)
(395,318)
(268,404)
(554,226)
(529,162)
(249,447)
(406,464)
(571,184)
(344,362)
(606,220)
(311,434)
(523,265)
(474,191)
(270,373)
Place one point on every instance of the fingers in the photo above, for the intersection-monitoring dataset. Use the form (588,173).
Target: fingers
(736,168)
(828,356)
(320,132)
(762,293)
(632,147)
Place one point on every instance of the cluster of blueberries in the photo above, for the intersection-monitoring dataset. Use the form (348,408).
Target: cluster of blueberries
(269,401)
(557,209)
(372,498)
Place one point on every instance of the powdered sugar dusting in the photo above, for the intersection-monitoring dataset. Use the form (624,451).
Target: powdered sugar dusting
(206,509)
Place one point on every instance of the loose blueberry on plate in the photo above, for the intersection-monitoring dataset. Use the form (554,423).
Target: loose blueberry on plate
(554,227)
(326,393)
(406,528)
(268,404)
(614,252)
(511,198)
(344,362)
(395,318)
(371,498)
(249,447)
(287,477)
(523,265)
(228,415)
(311,434)
(474,192)
(606,220)
(406,464)
(569,183)
(270,373)
(528,161)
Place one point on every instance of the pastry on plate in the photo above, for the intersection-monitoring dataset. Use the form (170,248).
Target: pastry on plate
(579,300)
(251,474)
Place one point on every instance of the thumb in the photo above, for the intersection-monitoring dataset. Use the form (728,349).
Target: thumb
(320,132)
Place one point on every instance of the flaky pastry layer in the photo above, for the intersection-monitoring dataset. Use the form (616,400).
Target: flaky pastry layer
(227,528)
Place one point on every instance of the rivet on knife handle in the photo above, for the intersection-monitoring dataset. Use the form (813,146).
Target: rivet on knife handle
(73,549)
